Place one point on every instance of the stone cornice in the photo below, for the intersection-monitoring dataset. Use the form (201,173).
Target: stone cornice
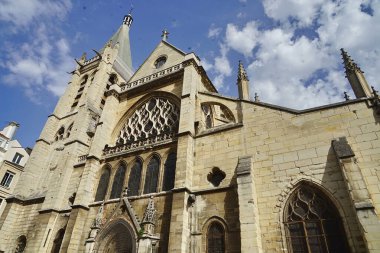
(24,202)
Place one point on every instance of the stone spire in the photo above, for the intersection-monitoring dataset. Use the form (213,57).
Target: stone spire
(120,40)
(355,76)
(243,82)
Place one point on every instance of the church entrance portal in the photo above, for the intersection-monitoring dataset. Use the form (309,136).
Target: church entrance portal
(117,238)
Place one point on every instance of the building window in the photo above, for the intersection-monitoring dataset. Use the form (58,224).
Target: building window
(134,179)
(207,113)
(169,172)
(7,179)
(118,182)
(312,223)
(103,185)
(215,238)
(17,158)
(58,240)
(20,244)
(151,178)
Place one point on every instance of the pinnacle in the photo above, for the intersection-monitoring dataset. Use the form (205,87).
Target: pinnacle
(349,64)
(242,75)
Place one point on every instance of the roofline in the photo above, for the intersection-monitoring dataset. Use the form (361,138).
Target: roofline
(290,110)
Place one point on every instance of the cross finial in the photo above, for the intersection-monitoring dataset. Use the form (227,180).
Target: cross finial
(165,34)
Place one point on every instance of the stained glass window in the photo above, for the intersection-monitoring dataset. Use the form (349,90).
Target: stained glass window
(134,179)
(151,178)
(215,238)
(118,182)
(169,173)
(312,223)
(103,185)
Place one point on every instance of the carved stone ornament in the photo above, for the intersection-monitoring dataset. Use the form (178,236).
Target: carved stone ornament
(98,222)
(150,212)
(342,148)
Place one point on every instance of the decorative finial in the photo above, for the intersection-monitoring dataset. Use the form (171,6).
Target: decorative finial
(257,99)
(125,192)
(349,64)
(165,35)
(346,96)
(374,92)
(242,75)
(83,57)
(98,222)
(128,19)
(150,212)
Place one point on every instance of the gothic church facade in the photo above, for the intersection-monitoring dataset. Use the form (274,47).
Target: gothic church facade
(157,160)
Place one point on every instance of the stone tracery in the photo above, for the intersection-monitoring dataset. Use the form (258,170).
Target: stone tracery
(156,117)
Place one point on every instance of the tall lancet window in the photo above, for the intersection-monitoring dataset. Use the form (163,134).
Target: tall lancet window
(215,238)
(118,182)
(169,173)
(151,179)
(312,223)
(103,185)
(134,179)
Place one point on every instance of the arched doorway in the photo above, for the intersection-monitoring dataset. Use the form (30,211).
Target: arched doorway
(117,237)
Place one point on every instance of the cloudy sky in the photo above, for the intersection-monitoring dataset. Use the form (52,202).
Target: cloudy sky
(290,47)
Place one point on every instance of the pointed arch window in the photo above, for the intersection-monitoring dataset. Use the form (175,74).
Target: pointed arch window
(151,179)
(58,241)
(134,179)
(312,223)
(215,238)
(103,185)
(169,172)
(118,182)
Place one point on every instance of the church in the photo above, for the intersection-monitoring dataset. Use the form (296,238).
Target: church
(156,160)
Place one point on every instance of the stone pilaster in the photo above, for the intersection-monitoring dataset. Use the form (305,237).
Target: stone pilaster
(248,211)
(359,194)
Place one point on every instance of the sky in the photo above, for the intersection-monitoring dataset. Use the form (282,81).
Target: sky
(290,48)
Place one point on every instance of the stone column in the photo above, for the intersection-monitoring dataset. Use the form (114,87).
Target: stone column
(360,197)
(248,213)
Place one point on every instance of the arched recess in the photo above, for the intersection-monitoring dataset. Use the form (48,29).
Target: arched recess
(118,181)
(135,178)
(215,236)
(20,244)
(312,222)
(58,240)
(103,184)
(169,172)
(216,114)
(152,172)
(122,125)
(118,236)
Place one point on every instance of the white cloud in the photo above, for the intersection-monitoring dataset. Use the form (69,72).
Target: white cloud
(213,31)
(39,66)
(38,63)
(243,40)
(296,62)
(303,11)
(22,12)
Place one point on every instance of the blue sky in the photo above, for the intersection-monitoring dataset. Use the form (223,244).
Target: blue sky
(290,47)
